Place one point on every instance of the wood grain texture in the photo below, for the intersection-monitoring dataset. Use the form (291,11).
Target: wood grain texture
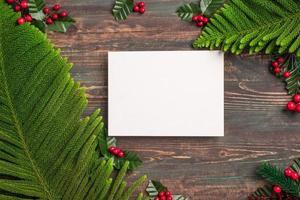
(256,126)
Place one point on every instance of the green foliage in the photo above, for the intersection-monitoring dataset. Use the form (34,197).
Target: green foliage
(187,11)
(122,9)
(256,25)
(61,25)
(293,82)
(35,5)
(275,175)
(154,187)
(209,7)
(48,151)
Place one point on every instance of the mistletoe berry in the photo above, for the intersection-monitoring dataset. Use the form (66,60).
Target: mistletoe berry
(277,189)
(286,74)
(277,70)
(49,21)
(288,171)
(296,98)
(142,10)
(275,64)
(21,21)
(28,18)
(46,10)
(64,13)
(10,1)
(295,176)
(280,59)
(56,7)
(54,16)
(291,106)
(17,8)
(24,4)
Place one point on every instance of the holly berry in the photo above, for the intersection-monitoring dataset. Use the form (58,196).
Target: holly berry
(28,18)
(286,74)
(161,194)
(142,10)
(17,8)
(297,109)
(169,198)
(54,16)
(195,18)
(111,149)
(21,20)
(275,64)
(156,198)
(10,1)
(136,8)
(168,193)
(200,24)
(288,172)
(291,106)
(280,59)
(49,21)
(296,98)
(277,189)
(141,4)
(24,4)
(64,13)
(205,20)
(277,70)
(56,7)
(46,10)
(121,154)
(295,176)
(200,18)
(116,151)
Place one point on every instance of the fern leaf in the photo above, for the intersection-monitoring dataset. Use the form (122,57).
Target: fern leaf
(208,7)
(254,25)
(187,11)
(293,82)
(48,151)
(122,9)
(35,6)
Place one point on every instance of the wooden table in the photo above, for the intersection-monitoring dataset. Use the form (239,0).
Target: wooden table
(256,126)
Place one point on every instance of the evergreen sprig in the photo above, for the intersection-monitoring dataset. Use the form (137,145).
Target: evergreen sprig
(122,9)
(255,25)
(293,82)
(187,11)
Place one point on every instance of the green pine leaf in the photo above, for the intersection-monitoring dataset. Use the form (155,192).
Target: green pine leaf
(187,11)
(48,150)
(61,25)
(134,160)
(122,9)
(35,5)
(293,82)
(255,26)
(209,7)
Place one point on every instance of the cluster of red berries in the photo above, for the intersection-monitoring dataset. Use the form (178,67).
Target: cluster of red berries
(277,67)
(139,7)
(200,20)
(295,104)
(21,6)
(164,196)
(53,15)
(288,172)
(116,152)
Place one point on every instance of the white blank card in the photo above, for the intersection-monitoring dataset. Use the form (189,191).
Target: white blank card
(166,93)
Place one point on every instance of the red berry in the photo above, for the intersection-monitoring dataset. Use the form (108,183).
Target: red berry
(277,70)
(49,21)
(200,18)
(156,198)
(64,13)
(296,98)
(280,59)
(275,64)
(295,176)
(54,16)
(277,189)
(298,108)
(136,8)
(169,198)
(286,74)
(163,198)
(111,149)
(28,18)
(21,20)
(205,20)
(142,10)
(116,151)
(288,172)
(24,4)
(168,193)
(17,8)
(10,1)
(121,154)
(195,18)
(141,4)
(56,7)
(291,106)
(46,10)
(161,194)
(200,24)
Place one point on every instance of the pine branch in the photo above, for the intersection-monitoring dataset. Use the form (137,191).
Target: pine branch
(122,9)
(187,11)
(293,82)
(254,25)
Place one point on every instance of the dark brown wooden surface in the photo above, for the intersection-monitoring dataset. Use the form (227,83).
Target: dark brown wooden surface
(256,126)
